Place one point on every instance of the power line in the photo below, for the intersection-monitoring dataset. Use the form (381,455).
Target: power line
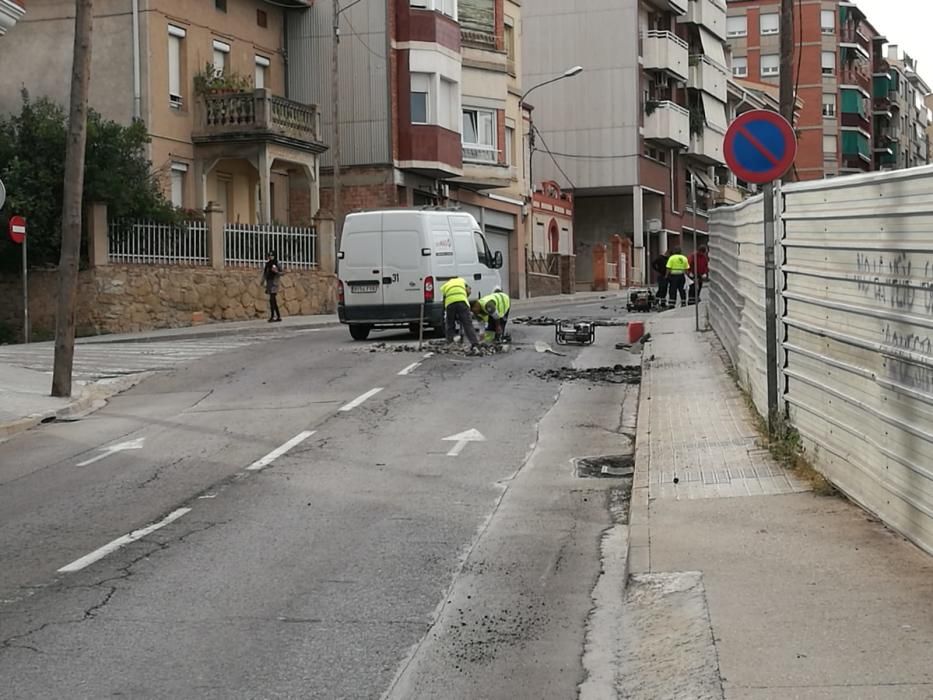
(553,159)
(361,40)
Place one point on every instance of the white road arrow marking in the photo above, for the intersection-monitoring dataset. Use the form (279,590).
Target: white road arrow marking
(136,444)
(471,435)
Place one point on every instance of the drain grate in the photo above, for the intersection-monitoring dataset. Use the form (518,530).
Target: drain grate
(605,467)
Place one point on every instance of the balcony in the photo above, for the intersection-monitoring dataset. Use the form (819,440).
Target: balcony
(666,52)
(667,123)
(257,115)
(706,146)
(856,149)
(708,77)
(678,7)
(709,14)
(10,13)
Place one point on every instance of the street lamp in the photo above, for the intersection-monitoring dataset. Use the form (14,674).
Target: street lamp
(569,73)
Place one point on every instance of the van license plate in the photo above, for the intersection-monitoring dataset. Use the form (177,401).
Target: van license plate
(364,288)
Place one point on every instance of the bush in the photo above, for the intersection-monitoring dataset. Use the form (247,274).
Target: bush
(32,163)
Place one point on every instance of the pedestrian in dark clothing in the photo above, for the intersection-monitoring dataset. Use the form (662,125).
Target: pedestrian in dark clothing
(659,265)
(699,269)
(270,276)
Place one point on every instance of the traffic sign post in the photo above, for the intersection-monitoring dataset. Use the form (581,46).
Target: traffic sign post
(760,147)
(17,231)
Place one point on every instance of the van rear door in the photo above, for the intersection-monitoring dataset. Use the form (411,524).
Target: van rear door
(361,265)
(405,249)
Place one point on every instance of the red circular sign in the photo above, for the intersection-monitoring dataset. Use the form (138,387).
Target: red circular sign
(17,229)
(760,146)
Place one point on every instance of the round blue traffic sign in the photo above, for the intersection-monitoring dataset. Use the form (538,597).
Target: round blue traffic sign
(760,146)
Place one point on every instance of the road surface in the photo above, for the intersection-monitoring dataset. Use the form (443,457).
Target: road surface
(303,517)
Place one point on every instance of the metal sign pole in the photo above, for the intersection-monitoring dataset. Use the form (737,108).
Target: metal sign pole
(696,256)
(770,307)
(25,295)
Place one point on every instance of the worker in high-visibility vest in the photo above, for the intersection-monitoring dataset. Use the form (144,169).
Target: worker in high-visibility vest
(493,310)
(456,294)
(677,268)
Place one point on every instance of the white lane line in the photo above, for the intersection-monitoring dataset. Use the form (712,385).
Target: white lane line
(360,399)
(411,368)
(111,547)
(428,354)
(279,451)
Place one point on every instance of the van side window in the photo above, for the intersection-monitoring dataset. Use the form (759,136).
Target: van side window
(482,250)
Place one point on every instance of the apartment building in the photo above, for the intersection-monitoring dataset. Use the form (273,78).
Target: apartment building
(648,114)
(11,11)
(429,109)
(209,81)
(902,118)
(844,79)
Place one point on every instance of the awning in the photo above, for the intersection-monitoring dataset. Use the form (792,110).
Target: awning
(704,181)
(715,113)
(713,49)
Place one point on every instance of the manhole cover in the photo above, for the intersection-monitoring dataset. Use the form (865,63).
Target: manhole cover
(605,467)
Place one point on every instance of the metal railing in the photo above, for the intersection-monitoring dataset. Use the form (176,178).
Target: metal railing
(474,153)
(666,36)
(543,263)
(152,243)
(248,245)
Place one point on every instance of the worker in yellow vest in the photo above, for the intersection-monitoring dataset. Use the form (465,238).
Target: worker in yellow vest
(456,294)
(493,310)
(677,268)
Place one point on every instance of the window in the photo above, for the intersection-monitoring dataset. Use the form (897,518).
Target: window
(739,66)
(262,19)
(178,184)
(224,188)
(510,47)
(828,62)
(262,67)
(175,37)
(828,21)
(447,7)
(221,50)
(509,145)
(770,23)
(420,90)
(221,5)
(479,135)
(829,106)
(737,26)
(829,147)
(448,107)
(770,65)
(482,250)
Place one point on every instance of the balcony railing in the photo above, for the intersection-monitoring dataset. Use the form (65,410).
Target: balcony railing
(710,14)
(477,153)
(257,112)
(667,123)
(708,77)
(665,51)
(707,146)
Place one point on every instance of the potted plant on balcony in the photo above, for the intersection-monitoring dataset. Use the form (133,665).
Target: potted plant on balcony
(213,81)
(697,119)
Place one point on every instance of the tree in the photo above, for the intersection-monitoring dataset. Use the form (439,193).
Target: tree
(116,171)
(71,201)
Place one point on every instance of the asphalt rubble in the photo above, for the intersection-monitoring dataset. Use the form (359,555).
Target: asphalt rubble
(550,321)
(442,347)
(617,374)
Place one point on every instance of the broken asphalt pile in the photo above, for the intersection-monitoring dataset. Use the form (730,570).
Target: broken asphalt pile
(440,347)
(618,374)
(548,321)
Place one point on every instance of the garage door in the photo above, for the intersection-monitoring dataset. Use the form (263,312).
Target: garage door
(499,240)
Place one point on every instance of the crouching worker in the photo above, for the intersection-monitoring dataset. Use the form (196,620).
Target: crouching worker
(493,310)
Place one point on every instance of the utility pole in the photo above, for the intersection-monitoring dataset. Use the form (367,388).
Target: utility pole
(71,202)
(787,97)
(335,98)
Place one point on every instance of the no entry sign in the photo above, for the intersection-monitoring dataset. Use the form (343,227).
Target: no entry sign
(760,146)
(17,229)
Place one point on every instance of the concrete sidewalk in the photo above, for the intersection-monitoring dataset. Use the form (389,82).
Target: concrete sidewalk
(746,584)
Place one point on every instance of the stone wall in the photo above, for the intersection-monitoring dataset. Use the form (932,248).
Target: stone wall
(129,298)
(543,285)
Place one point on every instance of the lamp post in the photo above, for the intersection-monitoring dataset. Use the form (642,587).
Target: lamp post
(569,73)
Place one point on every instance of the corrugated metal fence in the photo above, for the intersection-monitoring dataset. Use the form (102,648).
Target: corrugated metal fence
(856,323)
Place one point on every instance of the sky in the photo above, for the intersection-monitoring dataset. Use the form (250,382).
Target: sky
(906,23)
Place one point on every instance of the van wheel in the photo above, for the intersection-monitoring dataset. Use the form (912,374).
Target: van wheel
(360,331)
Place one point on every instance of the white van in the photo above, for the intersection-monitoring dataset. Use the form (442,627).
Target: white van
(394,261)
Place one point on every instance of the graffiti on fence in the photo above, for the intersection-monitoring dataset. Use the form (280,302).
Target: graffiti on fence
(895,280)
(908,358)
